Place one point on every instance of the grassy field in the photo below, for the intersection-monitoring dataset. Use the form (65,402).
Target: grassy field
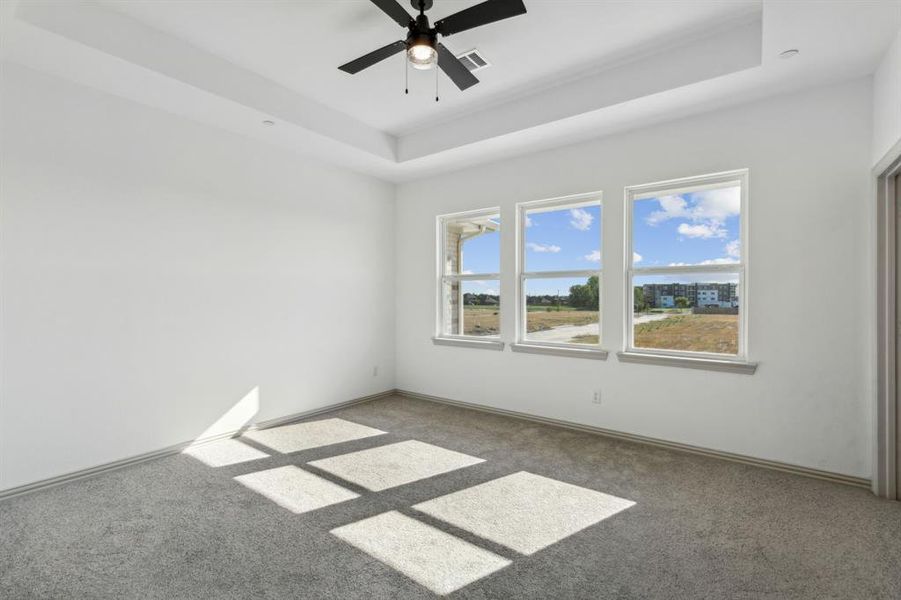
(541,321)
(481,320)
(697,333)
(485,320)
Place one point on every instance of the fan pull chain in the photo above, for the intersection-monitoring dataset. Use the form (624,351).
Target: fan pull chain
(406,76)
(435,68)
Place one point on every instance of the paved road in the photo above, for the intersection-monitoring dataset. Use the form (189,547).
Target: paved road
(653,317)
(568,332)
(564,334)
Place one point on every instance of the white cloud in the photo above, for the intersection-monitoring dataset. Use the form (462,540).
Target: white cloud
(733,249)
(466,273)
(709,205)
(486,284)
(717,205)
(581,219)
(636,257)
(543,247)
(708,230)
(671,207)
(528,221)
(709,261)
(595,256)
(705,216)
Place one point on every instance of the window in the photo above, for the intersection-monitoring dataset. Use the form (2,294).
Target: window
(560,272)
(686,267)
(469,275)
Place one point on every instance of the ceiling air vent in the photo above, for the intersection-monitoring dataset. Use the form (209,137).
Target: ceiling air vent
(473,60)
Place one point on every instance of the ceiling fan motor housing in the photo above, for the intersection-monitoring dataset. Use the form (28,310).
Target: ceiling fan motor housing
(421,33)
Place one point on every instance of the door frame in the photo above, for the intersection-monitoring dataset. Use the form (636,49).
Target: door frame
(887,464)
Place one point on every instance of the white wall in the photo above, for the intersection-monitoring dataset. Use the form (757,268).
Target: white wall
(808,403)
(155,271)
(887,101)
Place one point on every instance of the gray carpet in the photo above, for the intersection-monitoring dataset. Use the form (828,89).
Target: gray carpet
(700,528)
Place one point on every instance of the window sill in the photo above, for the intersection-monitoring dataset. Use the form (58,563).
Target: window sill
(591,353)
(468,343)
(709,364)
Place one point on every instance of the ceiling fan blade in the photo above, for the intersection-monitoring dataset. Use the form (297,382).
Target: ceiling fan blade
(480,14)
(454,69)
(355,66)
(395,11)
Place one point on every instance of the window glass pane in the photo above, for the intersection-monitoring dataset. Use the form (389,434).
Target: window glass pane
(563,310)
(691,228)
(696,312)
(473,245)
(472,308)
(566,239)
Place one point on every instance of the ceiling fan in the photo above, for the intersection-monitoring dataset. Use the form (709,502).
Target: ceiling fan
(422,45)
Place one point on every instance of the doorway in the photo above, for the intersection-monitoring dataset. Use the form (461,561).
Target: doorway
(887,469)
(896,184)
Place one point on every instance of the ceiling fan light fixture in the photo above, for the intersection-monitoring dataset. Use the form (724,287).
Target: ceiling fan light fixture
(422,45)
(422,55)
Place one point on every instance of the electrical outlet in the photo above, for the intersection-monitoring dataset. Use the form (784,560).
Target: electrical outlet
(596,398)
(375,371)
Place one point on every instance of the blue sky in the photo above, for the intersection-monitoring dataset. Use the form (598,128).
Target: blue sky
(700,228)
(482,254)
(561,240)
(688,229)
(696,228)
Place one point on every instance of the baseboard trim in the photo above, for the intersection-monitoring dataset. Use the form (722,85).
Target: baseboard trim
(177,448)
(739,458)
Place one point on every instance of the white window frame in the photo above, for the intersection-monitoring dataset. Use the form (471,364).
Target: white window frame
(552,204)
(460,339)
(682,186)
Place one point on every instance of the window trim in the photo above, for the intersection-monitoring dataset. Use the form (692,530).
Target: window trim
(681,186)
(469,341)
(522,344)
(489,342)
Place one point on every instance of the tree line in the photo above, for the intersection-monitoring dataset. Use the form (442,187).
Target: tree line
(586,295)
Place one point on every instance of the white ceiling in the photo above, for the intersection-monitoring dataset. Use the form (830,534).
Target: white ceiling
(567,70)
(301,44)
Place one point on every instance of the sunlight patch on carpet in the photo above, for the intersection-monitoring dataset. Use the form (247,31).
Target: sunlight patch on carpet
(431,557)
(392,465)
(523,511)
(311,434)
(222,453)
(295,489)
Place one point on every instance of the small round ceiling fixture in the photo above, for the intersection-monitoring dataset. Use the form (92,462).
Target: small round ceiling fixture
(268,123)
(791,53)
